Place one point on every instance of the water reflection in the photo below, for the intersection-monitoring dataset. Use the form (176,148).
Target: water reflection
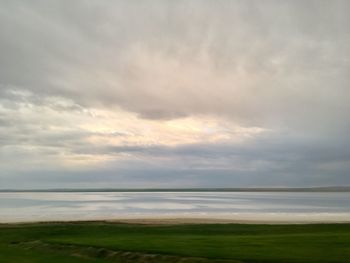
(89,206)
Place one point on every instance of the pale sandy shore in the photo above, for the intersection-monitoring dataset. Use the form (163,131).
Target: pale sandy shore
(268,218)
(181,221)
(241,219)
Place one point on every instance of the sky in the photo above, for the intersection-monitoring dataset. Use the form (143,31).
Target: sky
(148,94)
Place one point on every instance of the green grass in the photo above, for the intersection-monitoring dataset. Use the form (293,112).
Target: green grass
(97,242)
(16,254)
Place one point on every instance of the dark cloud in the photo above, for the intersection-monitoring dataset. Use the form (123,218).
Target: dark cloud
(278,160)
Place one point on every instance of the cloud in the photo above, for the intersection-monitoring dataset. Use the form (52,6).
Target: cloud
(253,89)
(258,63)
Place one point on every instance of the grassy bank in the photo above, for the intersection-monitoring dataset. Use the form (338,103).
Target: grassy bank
(106,242)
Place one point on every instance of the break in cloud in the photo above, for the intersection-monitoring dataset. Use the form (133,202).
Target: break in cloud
(174,93)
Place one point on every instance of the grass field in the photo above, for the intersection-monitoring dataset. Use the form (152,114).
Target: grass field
(107,242)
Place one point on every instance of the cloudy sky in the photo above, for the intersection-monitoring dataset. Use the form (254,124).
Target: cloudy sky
(174,93)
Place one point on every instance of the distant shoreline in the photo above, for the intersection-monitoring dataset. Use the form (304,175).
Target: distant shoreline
(253,189)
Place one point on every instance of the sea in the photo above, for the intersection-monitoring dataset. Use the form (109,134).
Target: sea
(267,207)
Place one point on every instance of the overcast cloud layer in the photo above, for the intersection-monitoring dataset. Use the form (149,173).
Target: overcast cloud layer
(174,93)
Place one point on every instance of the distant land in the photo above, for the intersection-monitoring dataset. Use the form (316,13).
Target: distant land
(253,189)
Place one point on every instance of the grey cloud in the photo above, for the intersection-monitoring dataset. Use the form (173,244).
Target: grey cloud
(266,161)
(34,122)
(298,161)
(281,65)
(271,63)
(275,147)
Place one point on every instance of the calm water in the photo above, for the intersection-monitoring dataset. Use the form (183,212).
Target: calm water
(21,207)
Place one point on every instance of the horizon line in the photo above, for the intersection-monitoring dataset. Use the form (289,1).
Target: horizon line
(189,189)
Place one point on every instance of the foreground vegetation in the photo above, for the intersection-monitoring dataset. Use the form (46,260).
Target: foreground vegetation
(107,242)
